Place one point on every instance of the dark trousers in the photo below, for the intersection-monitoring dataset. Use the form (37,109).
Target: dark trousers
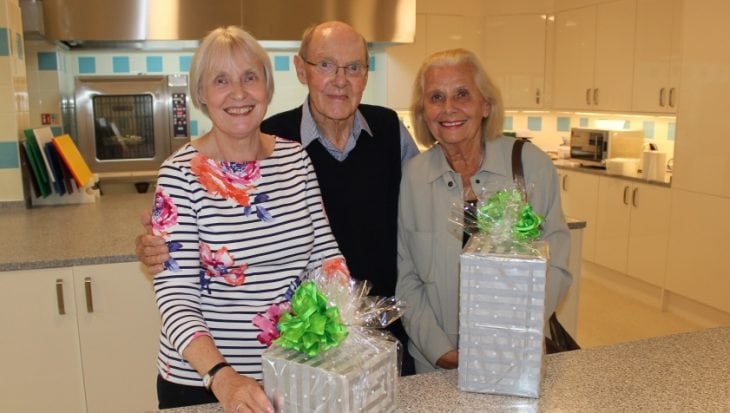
(171,395)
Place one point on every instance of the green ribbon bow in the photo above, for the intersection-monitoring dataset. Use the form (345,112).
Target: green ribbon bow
(311,327)
(505,212)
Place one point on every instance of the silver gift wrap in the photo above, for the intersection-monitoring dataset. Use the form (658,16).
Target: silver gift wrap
(501,317)
(358,376)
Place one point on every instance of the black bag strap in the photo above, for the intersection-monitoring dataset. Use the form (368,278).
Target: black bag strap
(517,172)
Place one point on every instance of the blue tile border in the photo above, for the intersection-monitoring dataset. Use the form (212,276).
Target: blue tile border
(4,45)
(371,64)
(9,155)
(648,129)
(185,63)
(281,63)
(154,64)
(193,128)
(534,123)
(47,61)
(671,131)
(563,124)
(87,64)
(508,123)
(120,64)
(583,122)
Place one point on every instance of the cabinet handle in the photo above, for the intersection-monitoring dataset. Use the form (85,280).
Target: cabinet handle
(671,97)
(626,193)
(588,96)
(564,183)
(89,298)
(537,96)
(661,96)
(595,96)
(59,297)
(634,197)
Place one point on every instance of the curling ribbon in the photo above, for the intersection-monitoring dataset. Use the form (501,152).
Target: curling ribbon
(311,327)
(506,211)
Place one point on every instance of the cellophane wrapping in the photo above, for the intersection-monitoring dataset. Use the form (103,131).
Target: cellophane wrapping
(502,300)
(359,375)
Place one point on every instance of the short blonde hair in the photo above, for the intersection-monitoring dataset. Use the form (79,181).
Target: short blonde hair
(491,125)
(217,48)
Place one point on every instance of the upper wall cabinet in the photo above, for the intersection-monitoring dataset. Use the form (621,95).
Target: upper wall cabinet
(657,58)
(514,56)
(594,57)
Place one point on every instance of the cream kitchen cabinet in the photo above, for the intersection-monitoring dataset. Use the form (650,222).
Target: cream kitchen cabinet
(657,57)
(632,231)
(579,197)
(403,63)
(40,342)
(514,55)
(594,57)
(81,339)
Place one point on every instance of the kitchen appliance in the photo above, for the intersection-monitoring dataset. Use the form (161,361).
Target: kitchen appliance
(592,147)
(130,123)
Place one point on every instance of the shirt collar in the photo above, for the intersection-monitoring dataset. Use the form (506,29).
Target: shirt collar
(495,161)
(310,132)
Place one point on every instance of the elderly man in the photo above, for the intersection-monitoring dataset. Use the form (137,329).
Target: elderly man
(357,151)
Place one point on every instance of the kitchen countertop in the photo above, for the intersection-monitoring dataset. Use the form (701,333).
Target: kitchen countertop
(101,232)
(677,373)
(569,165)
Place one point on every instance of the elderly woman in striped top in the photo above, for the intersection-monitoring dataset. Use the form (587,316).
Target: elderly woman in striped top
(242,215)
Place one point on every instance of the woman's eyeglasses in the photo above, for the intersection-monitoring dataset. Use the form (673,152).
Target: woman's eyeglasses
(330,68)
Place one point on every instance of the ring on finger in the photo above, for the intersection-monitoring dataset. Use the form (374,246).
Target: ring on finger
(238,407)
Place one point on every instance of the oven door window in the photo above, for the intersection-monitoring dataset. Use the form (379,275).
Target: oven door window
(124,127)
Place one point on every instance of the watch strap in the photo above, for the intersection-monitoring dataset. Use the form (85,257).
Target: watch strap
(208,378)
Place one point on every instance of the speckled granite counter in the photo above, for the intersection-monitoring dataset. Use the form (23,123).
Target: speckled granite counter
(65,235)
(679,373)
(84,234)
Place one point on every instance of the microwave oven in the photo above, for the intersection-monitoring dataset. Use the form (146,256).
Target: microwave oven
(592,147)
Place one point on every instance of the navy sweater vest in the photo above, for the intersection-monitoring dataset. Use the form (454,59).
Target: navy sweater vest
(360,194)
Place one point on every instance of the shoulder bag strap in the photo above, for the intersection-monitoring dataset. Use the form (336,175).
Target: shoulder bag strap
(517,172)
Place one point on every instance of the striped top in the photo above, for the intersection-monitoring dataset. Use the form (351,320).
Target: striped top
(240,236)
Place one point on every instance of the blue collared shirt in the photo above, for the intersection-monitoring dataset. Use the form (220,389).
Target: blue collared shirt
(310,132)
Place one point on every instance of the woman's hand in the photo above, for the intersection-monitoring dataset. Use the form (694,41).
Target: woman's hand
(151,250)
(449,360)
(240,394)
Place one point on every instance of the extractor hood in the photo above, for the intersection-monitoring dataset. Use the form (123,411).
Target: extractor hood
(144,24)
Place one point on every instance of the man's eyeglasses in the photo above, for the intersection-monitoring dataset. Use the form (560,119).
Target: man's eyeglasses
(329,68)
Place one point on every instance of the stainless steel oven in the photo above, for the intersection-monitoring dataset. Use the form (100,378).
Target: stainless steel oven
(130,123)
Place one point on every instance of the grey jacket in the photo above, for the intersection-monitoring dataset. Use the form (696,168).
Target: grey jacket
(429,245)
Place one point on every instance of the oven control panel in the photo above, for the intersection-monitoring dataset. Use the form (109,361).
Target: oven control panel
(179,116)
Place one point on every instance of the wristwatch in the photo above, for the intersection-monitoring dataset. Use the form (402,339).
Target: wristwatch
(208,378)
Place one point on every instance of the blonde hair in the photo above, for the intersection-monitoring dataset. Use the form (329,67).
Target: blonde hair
(217,48)
(491,125)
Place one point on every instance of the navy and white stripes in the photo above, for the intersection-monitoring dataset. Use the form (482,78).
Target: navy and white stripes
(277,252)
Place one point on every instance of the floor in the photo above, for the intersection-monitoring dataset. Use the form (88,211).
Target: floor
(606,316)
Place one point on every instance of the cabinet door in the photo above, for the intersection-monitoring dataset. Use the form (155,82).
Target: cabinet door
(579,196)
(575,38)
(656,63)
(514,56)
(702,149)
(612,229)
(649,233)
(40,343)
(119,326)
(614,66)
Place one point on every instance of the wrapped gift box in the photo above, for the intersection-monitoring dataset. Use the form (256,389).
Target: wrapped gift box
(501,317)
(358,376)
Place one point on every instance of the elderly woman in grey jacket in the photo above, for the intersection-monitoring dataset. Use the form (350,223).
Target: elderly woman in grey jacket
(457,110)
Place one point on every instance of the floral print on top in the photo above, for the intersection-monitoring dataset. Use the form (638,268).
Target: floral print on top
(164,217)
(219,264)
(232,180)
